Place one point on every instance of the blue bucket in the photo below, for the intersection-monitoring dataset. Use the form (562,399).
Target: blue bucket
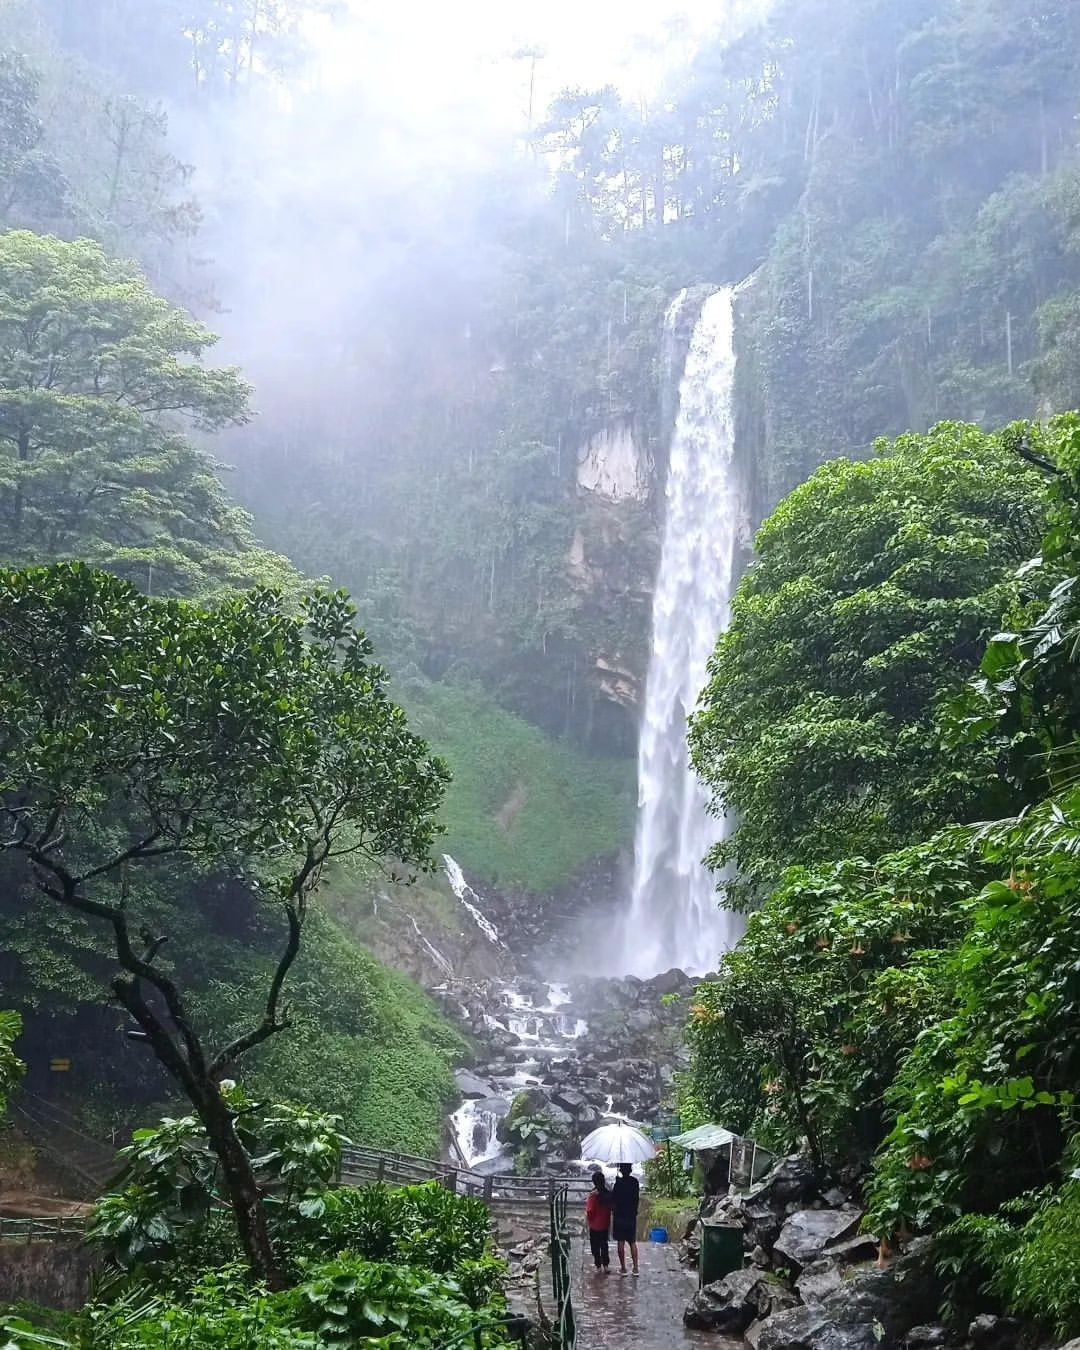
(658,1235)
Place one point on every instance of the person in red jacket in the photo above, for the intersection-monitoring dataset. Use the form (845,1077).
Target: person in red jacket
(598,1217)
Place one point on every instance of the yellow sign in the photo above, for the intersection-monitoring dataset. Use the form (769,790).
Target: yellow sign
(60,1065)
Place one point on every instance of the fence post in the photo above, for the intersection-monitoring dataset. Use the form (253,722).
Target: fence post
(489,1188)
(449,1180)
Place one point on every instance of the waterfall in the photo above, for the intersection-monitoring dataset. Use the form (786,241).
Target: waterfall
(464,891)
(674,919)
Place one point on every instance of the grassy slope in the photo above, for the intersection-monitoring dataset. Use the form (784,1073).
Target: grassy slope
(365,1042)
(523,809)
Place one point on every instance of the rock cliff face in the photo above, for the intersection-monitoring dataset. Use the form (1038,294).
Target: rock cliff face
(615,465)
(611,566)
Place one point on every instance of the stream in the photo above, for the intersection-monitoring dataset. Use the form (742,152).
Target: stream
(535,1026)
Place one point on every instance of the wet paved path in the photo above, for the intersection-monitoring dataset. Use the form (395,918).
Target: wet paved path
(621,1312)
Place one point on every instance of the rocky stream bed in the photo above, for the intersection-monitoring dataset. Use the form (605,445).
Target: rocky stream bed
(553,1056)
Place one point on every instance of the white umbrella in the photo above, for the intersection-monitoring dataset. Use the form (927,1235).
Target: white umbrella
(617,1143)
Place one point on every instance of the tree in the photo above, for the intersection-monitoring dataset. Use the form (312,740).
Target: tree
(32,188)
(239,737)
(99,380)
(801,1034)
(876,587)
(11,1066)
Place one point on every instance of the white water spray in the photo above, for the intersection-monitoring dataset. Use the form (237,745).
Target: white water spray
(674,919)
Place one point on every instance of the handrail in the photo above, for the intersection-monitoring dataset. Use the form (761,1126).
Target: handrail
(362,1166)
(42,1228)
(565,1326)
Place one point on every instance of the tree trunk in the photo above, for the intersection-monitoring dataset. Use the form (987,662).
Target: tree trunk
(244,1193)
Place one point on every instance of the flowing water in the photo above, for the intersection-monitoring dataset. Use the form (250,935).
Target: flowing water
(540,1027)
(469,899)
(674,919)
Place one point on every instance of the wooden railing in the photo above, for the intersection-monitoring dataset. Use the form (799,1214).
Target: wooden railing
(368,1166)
(42,1229)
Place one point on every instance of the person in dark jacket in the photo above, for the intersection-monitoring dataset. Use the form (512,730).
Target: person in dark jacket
(598,1217)
(625,1195)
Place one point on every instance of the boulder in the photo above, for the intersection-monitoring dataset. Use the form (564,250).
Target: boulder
(569,1099)
(904,1295)
(752,1334)
(808,1232)
(988,1332)
(791,1181)
(796,1329)
(588,1118)
(875,1308)
(671,982)
(728,1305)
(929,1337)
(818,1280)
(561,1120)
(850,1251)
(469,1085)
(763,1227)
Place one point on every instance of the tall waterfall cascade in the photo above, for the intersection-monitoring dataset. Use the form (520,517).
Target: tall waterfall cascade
(674,919)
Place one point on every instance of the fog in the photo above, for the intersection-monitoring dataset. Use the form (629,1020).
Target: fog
(365,180)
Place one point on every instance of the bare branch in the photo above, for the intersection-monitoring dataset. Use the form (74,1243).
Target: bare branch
(1024,450)
(143,849)
(271,1023)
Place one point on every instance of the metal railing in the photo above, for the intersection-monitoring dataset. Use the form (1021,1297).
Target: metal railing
(45,1229)
(507,1194)
(565,1328)
(368,1166)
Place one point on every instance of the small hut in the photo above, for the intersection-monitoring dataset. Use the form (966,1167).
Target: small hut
(726,1158)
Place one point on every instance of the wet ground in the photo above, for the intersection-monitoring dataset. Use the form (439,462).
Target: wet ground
(644,1312)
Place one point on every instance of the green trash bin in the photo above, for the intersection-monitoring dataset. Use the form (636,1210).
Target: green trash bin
(721,1250)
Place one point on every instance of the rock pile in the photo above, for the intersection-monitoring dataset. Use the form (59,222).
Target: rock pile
(554,1059)
(812,1281)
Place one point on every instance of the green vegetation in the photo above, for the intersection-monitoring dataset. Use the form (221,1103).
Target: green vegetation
(378,1052)
(390,1077)
(11,1066)
(522,809)
(917,1012)
(95,371)
(405,1268)
(875,588)
(237,739)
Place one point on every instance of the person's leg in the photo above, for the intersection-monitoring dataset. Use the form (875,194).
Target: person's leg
(622,1255)
(595,1240)
(605,1253)
(633,1256)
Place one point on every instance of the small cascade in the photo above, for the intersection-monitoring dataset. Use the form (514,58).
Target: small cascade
(442,963)
(674,918)
(475,1126)
(533,1025)
(470,900)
